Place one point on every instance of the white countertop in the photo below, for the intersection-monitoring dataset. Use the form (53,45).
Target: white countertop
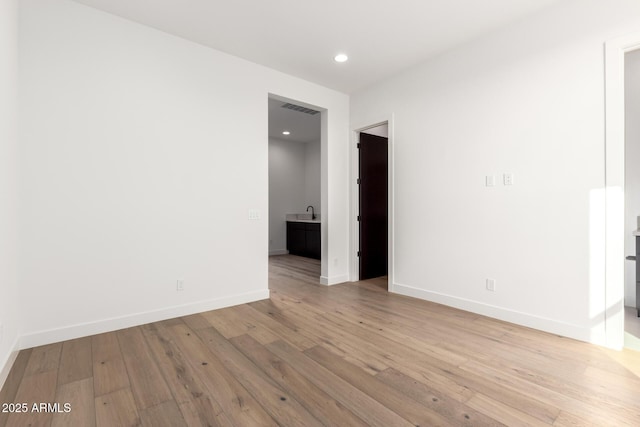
(305,217)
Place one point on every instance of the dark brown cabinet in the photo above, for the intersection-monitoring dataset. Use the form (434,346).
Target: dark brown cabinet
(637,259)
(303,239)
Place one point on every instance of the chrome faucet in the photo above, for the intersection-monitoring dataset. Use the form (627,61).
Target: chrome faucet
(313,214)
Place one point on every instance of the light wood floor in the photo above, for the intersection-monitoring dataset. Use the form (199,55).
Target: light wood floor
(346,355)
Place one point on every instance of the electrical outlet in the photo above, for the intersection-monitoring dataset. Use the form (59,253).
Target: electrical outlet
(491,285)
(180,285)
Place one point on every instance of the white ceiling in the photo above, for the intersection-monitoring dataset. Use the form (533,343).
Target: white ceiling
(301,37)
(303,127)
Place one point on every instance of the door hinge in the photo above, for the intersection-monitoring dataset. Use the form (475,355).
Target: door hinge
(358,253)
(358,145)
(358,217)
(358,181)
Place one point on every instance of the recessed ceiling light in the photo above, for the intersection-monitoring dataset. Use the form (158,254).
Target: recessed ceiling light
(286,132)
(341,57)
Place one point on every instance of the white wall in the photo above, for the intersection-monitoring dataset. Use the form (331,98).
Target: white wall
(632,169)
(286,189)
(527,100)
(141,154)
(10,305)
(382,130)
(294,184)
(312,160)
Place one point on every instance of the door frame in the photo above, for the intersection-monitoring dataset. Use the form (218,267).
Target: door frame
(354,196)
(615,51)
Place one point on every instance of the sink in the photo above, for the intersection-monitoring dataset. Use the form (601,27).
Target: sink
(302,217)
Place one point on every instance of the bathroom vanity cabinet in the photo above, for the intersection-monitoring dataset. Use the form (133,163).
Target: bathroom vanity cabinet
(303,238)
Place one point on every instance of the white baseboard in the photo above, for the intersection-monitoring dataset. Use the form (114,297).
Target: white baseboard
(113,324)
(524,319)
(7,364)
(278,252)
(324,280)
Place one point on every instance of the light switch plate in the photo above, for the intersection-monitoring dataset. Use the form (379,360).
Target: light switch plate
(254,214)
(490,180)
(508,179)
(491,285)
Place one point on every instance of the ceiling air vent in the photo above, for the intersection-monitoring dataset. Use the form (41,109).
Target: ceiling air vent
(299,108)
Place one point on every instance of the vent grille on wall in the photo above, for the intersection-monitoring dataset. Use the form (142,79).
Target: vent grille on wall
(299,108)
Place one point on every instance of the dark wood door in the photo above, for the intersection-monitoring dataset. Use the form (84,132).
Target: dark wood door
(373,198)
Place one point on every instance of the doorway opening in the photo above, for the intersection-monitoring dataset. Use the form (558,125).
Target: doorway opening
(296,211)
(614,319)
(372,204)
(632,200)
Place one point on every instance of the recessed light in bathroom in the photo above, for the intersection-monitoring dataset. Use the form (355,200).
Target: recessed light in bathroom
(341,57)
(286,132)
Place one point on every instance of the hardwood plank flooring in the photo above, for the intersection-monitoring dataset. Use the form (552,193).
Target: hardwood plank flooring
(75,361)
(109,372)
(350,354)
(116,409)
(147,383)
(83,413)
(12,383)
